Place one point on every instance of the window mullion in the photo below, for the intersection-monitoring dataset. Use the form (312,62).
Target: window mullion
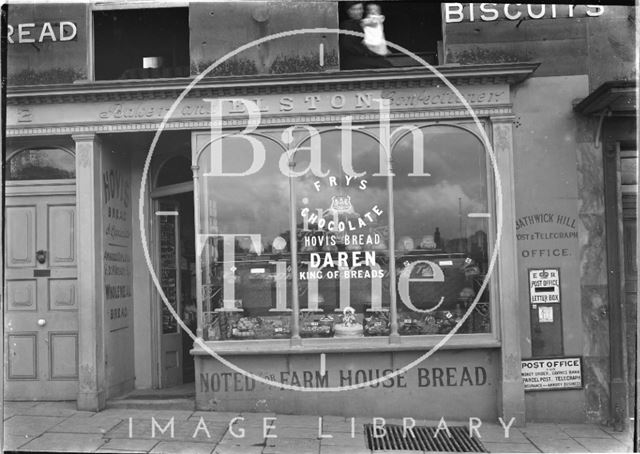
(393,310)
(293,241)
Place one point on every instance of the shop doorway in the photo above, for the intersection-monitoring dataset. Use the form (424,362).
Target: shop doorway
(175,264)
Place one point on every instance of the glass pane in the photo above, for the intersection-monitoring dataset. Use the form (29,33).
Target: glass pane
(246,261)
(343,238)
(41,164)
(168,266)
(441,231)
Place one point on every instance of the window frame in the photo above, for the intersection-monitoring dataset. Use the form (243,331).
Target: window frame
(43,181)
(295,344)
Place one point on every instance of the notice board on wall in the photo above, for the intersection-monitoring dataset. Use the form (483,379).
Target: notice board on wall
(552,373)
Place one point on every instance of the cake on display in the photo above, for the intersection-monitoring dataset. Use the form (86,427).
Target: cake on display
(349,327)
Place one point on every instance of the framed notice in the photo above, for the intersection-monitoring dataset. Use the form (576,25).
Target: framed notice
(552,373)
(544,285)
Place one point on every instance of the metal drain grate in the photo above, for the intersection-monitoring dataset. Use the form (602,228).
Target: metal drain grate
(423,439)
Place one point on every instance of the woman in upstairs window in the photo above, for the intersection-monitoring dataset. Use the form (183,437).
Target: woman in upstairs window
(353,53)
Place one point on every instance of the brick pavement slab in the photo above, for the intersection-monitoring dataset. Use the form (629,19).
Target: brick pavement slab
(623,437)
(128,445)
(15,408)
(510,447)
(495,433)
(182,430)
(342,440)
(76,424)
(584,431)
(176,447)
(250,438)
(64,408)
(227,449)
(544,431)
(125,413)
(297,421)
(12,442)
(299,448)
(603,445)
(30,425)
(345,450)
(61,442)
(341,427)
(558,445)
(295,432)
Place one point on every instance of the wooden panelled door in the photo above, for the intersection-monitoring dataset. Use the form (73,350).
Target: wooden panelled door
(41,305)
(629,236)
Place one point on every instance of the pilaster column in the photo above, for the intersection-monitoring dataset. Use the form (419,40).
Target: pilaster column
(511,397)
(91,392)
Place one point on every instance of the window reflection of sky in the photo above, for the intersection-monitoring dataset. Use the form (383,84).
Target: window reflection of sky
(259,204)
(457,185)
(254,204)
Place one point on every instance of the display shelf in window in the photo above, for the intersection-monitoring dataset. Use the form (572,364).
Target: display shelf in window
(238,326)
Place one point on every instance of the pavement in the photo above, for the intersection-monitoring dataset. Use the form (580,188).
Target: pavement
(59,427)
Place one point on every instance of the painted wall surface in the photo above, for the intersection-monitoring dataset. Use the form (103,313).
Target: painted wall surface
(117,272)
(558,174)
(47,60)
(143,324)
(565,45)
(454,384)
(218,28)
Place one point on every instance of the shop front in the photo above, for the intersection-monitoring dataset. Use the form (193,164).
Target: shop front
(312,239)
(354,240)
(319,259)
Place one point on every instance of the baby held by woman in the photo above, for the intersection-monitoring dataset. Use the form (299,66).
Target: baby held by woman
(374,30)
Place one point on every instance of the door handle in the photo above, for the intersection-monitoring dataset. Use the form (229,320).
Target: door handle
(42,322)
(41,256)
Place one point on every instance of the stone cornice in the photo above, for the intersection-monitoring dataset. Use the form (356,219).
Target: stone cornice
(438,114)
(81,92)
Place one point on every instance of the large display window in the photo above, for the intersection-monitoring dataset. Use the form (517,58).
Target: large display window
(317,233)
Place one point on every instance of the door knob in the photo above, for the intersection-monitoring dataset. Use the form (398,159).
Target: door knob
(42,322)
(41,256)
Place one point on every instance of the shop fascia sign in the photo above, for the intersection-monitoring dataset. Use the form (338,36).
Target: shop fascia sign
(489,12)
(30,32)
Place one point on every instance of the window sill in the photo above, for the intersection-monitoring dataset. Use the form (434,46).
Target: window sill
(345,345)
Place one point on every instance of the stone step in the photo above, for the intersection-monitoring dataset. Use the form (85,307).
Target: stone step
(153,404)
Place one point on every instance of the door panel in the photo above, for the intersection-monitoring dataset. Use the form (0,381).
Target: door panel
(41,320)
(21,295)
(62,235)
(62,294)
(23,356)
(63,357)
(21,235)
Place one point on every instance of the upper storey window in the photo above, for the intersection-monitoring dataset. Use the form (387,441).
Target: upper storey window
(415,26)
(141,43)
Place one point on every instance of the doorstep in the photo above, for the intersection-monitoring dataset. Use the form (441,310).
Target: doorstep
(180,397)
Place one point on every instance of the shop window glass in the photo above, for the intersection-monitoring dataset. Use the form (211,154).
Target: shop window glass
(343,236)
(439,229)
(441,232)
(246,264)
(41,164)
